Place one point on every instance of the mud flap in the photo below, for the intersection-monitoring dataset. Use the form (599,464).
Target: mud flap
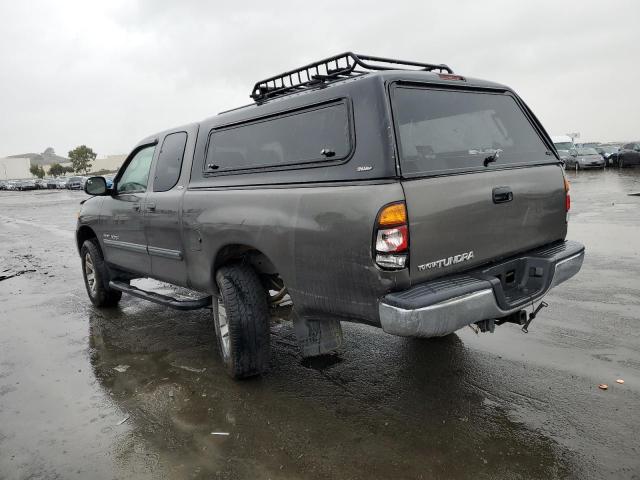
(317,337)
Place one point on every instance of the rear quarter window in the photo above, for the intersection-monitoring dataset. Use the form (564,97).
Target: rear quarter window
(316,134)
(440,131)
(169,163)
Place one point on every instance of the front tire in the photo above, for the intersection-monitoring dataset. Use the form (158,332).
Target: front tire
(96,276)
(241,319)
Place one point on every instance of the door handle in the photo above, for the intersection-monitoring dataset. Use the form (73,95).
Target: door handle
(502,195)
(136,207)
(151,207)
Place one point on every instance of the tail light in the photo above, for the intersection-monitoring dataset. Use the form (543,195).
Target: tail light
(567,197)
(392,237)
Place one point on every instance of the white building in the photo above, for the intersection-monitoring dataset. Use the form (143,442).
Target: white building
(14,168)
(110,162)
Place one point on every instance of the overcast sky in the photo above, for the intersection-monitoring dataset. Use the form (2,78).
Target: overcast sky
(107,74)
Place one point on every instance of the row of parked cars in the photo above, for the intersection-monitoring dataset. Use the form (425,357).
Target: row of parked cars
(597,155)
(70,183)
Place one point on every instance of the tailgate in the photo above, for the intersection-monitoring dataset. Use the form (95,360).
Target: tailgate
(480,180)
(454,223)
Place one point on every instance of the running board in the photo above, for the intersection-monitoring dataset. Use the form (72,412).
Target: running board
(160,299)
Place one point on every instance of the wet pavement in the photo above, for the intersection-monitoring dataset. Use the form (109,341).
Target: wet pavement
(502,405)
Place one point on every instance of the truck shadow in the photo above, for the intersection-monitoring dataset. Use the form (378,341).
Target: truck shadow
(387,407)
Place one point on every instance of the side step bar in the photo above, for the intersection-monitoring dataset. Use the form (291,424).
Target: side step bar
(161,299)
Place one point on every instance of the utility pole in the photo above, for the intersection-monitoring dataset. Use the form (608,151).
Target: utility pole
(573,136)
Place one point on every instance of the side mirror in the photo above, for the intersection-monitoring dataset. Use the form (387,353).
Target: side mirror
(96,186)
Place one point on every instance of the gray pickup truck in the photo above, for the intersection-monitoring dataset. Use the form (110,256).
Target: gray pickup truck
(357,188)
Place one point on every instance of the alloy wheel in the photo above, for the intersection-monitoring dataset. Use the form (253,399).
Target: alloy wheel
(223,325)
(90,273)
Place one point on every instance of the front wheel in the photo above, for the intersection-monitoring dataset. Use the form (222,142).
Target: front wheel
(96,276)
(241,319)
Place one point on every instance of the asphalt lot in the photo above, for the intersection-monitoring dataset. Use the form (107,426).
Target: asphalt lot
(502,405)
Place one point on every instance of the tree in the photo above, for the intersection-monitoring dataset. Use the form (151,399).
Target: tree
(81,158)
(37,171)
(56,170)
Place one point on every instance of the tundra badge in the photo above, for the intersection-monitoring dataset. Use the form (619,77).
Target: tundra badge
(445,262)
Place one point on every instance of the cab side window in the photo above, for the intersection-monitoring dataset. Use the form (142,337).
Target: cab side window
(136,175)
(169,162)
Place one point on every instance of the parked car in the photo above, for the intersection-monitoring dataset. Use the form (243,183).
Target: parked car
(565,156)
(613,157)
(589,145)
(629,155)
(580,158)
(62,183)
(52,183)
(40,184)
(28,184)
(10,185)
(76,183)
(609,153)
(276,202)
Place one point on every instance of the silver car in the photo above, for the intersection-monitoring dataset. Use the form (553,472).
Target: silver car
(580,158)
(76,183)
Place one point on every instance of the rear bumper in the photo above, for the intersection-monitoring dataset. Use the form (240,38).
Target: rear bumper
(443,306)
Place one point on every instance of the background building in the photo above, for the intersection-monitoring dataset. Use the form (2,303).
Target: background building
(48,157)
(110,163)
(17,167)
(14,168)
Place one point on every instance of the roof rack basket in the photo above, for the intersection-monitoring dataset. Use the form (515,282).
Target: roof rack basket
(333,68)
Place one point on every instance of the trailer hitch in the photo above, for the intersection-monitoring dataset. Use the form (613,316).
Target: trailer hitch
(534,314)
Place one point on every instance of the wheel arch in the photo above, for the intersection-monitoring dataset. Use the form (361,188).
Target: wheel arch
(245,253)
(85,233)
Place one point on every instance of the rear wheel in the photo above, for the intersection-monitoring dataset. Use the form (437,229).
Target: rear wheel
(96,276)
(241,319)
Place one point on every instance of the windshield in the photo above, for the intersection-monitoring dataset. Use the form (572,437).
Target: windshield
(446,130)
(563,145)
(587,151)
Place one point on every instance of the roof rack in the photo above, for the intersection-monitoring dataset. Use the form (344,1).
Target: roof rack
(344,65)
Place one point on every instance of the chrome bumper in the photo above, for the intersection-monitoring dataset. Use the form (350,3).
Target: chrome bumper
(440,318)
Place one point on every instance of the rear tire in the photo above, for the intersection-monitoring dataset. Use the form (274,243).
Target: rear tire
(241,319)
(96,276)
